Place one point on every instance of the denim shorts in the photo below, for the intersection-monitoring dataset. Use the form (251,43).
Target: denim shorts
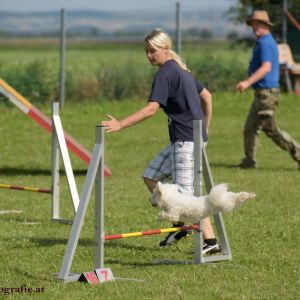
(175,163)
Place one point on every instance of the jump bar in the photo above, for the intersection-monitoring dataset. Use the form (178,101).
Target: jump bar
(25,188)
(149,232)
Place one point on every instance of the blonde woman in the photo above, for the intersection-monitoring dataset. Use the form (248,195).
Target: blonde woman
(183,99)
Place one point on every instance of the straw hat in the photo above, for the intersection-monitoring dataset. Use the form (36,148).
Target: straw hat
(260,16)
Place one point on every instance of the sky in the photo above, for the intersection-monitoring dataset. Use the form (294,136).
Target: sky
(106,5)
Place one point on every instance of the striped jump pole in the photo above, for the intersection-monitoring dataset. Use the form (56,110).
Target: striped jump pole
(40,118)
(25,188)
(149,232)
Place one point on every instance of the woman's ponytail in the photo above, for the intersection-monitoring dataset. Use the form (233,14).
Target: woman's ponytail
(179,60)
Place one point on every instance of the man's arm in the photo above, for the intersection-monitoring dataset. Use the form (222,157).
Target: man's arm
(259,74)
(113,124)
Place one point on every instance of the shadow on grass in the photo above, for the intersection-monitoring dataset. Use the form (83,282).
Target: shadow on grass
(135,264)
(10,171)
(122,245)
(146,261)
(49,242)
(223,165)
(260,168)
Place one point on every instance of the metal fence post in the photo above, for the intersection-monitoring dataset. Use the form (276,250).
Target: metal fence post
(62,57)
(178,29)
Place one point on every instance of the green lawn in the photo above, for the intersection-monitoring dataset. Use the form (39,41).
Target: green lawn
(111,71)
(263,234)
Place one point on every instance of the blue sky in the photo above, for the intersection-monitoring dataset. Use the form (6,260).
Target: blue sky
(108,5)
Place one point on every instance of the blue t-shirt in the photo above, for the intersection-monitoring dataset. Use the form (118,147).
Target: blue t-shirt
(177,92)
(265,50)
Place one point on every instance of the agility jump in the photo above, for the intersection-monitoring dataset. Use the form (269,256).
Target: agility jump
(26,107)
(24,188)
(95,176)
(59,142)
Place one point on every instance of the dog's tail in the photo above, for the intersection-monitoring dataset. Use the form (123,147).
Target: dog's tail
(223,200)
(216,195)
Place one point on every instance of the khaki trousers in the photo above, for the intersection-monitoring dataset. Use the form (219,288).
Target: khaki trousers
(262,117)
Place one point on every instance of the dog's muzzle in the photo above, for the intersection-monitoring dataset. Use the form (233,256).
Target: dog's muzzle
(153,201)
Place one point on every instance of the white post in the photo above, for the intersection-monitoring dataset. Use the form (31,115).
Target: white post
(64,273)
(66,159)
(55,167)
(198,149)
(99,205)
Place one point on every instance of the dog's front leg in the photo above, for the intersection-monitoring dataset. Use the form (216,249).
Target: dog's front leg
(168,216)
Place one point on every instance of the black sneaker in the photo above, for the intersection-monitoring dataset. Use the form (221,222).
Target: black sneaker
(174,237)
(247,164)
(211,249)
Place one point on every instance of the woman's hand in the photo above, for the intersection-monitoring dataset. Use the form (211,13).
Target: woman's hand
(112,125)
(146,112)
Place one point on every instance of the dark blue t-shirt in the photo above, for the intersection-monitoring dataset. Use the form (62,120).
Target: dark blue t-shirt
(177,92)
(265,50)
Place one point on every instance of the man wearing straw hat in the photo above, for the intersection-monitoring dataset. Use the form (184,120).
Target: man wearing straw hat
(263,76)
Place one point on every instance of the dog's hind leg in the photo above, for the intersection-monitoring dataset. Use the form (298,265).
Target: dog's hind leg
(240,198)
(243,196)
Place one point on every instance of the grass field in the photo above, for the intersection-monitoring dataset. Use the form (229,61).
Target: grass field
(263,234)
(111,71)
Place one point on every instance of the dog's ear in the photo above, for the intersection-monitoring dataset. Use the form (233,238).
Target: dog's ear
(159,187)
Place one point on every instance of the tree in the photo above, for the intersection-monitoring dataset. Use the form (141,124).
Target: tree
(244,8)
(233,36)
(206,34)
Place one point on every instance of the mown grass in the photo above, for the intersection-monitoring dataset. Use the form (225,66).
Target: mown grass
(263,234)
(114,72)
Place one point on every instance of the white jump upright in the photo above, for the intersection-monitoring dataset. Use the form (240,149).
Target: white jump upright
(99,204)
(55,169)
(59,143)
(95,173)
(202,169)
(198,148)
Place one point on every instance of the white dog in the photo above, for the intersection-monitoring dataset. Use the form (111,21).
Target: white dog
(175,206)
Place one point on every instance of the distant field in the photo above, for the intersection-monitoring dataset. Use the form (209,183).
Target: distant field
(110,70)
